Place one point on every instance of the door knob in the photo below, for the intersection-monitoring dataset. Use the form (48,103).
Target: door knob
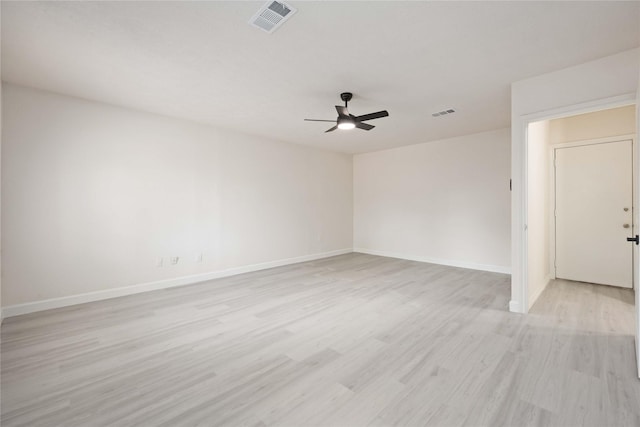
(625,226)
(634,239)
(626,209)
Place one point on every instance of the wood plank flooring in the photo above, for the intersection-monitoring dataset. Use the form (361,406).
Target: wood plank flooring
(353,340)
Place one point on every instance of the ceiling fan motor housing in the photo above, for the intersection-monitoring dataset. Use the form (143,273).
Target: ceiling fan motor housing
(346,97)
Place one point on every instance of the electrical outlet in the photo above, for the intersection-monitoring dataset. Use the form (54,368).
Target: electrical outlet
(175,259)
(200,257)
(159,262)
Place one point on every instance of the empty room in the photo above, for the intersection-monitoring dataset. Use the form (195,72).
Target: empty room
(319,213)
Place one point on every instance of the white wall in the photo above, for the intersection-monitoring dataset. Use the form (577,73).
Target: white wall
(443,201)
(539,272)
(594,125)
(606,81)
(93,195)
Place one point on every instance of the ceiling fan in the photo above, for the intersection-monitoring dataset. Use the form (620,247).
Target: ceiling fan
(349,121)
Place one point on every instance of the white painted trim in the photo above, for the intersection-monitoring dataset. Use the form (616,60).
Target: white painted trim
(551,192)
(452,263)
(48,304)
(514,307)
(603,140)
(535,297)
(636,223)
(519,217)
(519,176)
(582,108)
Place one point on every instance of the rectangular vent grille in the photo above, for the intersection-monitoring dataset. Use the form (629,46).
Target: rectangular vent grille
(444,112)
(271,16)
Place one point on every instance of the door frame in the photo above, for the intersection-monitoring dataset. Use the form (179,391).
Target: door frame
(519,203)
(552,189)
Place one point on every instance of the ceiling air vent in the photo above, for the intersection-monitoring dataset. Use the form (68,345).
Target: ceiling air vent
(444,112)
(272,15)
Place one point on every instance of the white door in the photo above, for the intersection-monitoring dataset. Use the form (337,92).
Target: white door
(594,213)
(636,252)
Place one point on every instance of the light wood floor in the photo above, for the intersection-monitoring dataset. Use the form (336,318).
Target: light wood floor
(354,340)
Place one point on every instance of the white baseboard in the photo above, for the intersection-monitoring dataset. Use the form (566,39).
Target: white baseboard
(452,263)
(515,306)
(534,298)
(48,304)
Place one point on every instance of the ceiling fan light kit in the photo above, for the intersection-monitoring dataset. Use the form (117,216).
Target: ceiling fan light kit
(345,124)
(345,120)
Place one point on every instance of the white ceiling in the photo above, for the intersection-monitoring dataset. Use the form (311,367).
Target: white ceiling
(203,61)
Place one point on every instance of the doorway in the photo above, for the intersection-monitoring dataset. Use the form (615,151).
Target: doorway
(578,232)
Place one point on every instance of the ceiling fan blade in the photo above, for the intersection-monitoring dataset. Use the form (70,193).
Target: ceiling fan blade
(372,116)
(332,129)
(342,111)
(318,120)
(364,126)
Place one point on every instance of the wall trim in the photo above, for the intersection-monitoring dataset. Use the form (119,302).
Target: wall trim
(593,141)
(533,298)
(451,263)
(514,306)
(48,304)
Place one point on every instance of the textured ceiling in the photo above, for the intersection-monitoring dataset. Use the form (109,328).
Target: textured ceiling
(202,61)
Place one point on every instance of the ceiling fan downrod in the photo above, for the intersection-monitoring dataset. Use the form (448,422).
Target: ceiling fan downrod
(346,97)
